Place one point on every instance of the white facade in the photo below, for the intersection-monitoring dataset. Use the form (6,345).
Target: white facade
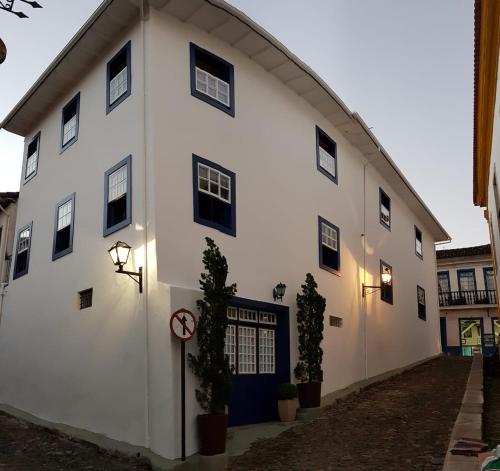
(468,301)
(113,369)
(8,209)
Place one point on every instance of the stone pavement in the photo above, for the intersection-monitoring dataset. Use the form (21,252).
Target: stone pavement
(401,424)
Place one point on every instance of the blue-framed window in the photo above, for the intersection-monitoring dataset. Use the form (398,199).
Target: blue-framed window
(328,246)
(421,303)
(384,209)
(387,289)
(70,122)
(214,196)
(212,79)
(64,224)
(23,250)
(118,196)
(32,153)
(466,280)
(326,155)
(119,78)
(444,282)
(419,247)
(489,278)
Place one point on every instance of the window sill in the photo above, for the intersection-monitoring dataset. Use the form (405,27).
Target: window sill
(226,230)
(330,270)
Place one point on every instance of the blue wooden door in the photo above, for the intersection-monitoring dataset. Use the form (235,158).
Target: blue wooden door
(444,335)
(258,346)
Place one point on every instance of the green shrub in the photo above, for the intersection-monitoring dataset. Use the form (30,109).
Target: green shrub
(287,391)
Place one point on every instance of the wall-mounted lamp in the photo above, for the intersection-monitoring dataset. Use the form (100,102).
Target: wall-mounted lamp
(386,280)
(119,253)
(279,291)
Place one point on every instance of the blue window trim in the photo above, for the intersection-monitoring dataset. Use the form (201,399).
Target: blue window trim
(196,204)
(26,179)
(15,274)
(62,253)
(230,110)
(485,269)
(320,244)
(467,270)
(387,300)
(380,193)
(424,316)
(128,220)
(75,138)
(420,256)
(111,107)
(447,273)
(333,178)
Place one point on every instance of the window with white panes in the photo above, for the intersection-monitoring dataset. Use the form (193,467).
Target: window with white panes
(418,242)
(21,263)
(232,313)
(214,196)
(248,315)
(247,355)
(212,79)
(267,357)
(385,209)
(214,183)
(63,231)
(230,345)
(267,318)
(326,150)
(70,120)
(119,77)
(32,157)
(329,257)
(118,203)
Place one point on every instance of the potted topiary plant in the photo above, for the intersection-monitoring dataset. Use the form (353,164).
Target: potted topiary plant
(287,405)
(211,365)
(311,307)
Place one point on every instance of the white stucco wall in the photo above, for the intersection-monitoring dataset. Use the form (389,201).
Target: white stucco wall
(113,369)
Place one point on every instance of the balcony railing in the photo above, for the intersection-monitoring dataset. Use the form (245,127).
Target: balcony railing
(464,298)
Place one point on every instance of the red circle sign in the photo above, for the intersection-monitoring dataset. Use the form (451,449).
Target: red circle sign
(183,324)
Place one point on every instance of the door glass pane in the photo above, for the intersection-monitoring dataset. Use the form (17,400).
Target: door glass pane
(267,359)
(444,283)
(247,361)
(467,281)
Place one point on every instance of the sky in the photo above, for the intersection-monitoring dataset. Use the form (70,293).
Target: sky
(405,66)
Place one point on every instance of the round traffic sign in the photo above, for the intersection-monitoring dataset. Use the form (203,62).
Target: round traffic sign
(183,324)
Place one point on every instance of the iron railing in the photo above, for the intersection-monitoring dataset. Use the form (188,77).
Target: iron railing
(463,298)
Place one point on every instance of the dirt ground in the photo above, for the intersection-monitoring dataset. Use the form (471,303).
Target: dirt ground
(401,424)
(27,447)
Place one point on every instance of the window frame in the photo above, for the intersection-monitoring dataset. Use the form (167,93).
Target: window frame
(466,270)
(196,202)
(418,231)
(128,220)
(230,110)
(16,274)
(447,273)
(384,224)
(321,133)
(321,221)
(62,253)
(111,106)
(382,296)
(422,313)
(64,146)
(27,178)
(485,278)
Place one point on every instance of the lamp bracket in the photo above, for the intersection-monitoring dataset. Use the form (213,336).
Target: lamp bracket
(373,288)
(133,274)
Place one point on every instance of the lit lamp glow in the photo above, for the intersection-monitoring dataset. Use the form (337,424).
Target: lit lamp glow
(386,277)
(119,253)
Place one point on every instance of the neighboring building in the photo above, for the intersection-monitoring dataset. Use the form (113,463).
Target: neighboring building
(467,300)
(8,208)
(161,126)
(486,121)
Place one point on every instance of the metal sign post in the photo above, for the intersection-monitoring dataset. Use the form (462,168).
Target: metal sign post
(183,326)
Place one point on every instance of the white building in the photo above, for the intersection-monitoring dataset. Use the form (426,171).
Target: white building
(467,300)
(8,208)
(123,132)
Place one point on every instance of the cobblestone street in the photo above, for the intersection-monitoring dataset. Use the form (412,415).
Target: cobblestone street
(401,424)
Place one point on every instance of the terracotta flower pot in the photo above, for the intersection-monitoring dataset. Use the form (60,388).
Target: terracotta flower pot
(309,394)
(212,430)
(287,409)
